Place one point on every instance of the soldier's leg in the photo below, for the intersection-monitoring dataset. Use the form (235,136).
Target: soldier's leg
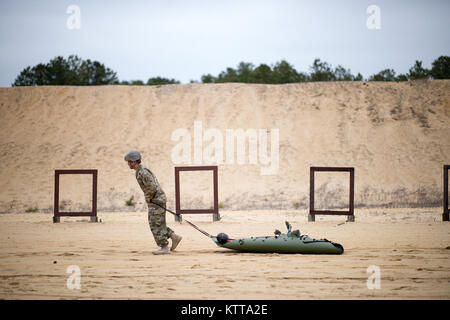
(169,231)
(172,235)
(157,222)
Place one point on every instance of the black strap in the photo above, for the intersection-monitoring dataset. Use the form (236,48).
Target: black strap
(204,232)
(177,214)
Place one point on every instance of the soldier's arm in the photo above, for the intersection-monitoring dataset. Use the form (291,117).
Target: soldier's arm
(149,184)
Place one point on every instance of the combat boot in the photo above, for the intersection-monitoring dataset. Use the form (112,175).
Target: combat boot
(163,250)
(175,241)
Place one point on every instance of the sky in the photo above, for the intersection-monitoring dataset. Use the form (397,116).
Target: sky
(185,39)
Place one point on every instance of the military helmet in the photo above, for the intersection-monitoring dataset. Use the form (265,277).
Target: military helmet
(132,156)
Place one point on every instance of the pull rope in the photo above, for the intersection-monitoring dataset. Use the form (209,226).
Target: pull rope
(193,225)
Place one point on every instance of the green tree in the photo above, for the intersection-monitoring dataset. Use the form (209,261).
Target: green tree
(35,76)
(230,75)
(384,75)
(61,72)
(73,71)
(208,78)
(160,81)
(342,74)
(283,72)
(262,74)
(244,72)
(358,77)
(93,73)
(440,68)
(402,77)
(418,72)
(321,71)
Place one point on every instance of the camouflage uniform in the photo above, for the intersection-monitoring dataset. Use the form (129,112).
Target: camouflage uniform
(156,215)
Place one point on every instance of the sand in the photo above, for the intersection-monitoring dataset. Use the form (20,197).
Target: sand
(395,135)
(410,247)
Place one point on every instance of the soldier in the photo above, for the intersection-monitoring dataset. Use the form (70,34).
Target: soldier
(153,194)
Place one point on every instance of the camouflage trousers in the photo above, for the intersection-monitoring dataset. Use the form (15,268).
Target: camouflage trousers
(157,221)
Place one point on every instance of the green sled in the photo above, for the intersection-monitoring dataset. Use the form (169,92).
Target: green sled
(292,242)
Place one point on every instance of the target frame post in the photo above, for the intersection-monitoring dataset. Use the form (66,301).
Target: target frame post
(445,214)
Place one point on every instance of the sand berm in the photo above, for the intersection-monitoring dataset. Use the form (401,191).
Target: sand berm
(395,135)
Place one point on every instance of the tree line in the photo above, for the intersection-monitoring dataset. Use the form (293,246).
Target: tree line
(79,72)
(283,72)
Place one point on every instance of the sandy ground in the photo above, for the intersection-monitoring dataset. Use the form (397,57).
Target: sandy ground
(410,246)
(395,135)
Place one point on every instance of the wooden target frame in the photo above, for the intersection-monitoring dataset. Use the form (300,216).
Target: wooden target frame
(349,213)
(214,210)
(93,213)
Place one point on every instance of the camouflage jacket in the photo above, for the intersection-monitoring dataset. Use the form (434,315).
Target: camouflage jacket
(150,185)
